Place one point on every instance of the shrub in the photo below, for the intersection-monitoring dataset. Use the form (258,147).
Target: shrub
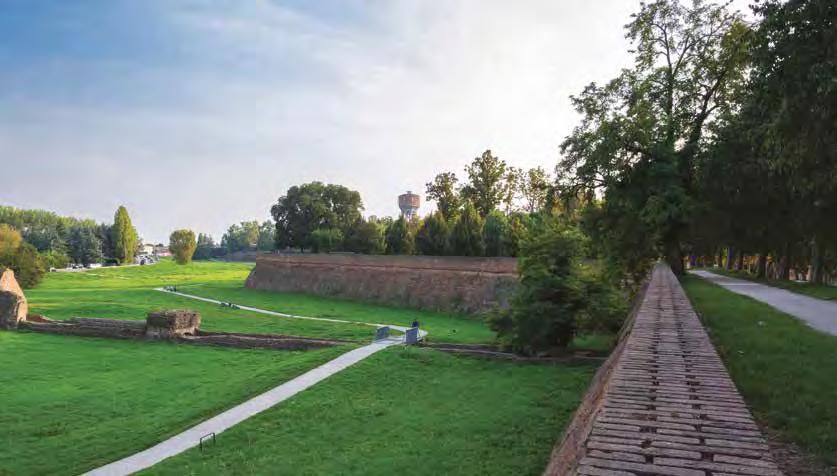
(182,245)
(557,293)
(367,237)
(326,240)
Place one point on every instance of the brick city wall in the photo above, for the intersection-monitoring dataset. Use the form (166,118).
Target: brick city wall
(460,284)
(665,403)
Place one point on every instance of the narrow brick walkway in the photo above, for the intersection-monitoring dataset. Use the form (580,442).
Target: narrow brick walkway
(670,407)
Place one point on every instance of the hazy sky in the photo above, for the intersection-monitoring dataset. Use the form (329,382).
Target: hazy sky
(199,114)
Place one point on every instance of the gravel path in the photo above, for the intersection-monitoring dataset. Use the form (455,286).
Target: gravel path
(223,421)
(817,313)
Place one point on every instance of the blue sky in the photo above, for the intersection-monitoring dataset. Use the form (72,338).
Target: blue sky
(199,114)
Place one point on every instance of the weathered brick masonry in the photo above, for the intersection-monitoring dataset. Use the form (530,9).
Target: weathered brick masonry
(666,406)
(443,283)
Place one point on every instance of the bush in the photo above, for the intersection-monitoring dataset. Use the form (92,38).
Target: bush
(557,293)
(326,240)
(27,265)
(367,237)
(182,245)
(55,259)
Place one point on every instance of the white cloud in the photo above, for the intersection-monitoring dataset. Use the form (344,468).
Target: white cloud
(271,97)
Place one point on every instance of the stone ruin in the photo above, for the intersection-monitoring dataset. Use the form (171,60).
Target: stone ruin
(13,305)
(173,323)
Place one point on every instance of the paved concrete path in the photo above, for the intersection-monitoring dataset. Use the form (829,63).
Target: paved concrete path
(669,407)
(422,333)
(818,313)
(191,437)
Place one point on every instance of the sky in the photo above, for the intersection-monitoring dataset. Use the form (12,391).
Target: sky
(199,114)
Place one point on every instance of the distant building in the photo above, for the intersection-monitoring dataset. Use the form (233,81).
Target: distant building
(146,249)
(161,250)
(409,204)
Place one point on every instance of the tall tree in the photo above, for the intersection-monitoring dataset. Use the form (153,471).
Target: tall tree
(486,186)
(641,132)
(124,237)
(182,245)
(433,236)
(444,191)
(495,234)
(534,188)
(314,206)
(399,238)
(84,246)
(466,236)
(204,247)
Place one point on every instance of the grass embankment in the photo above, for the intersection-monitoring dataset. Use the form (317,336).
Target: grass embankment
(443,327)
(70,404)
(819,291)
(127,293)
(405,411)
(786,371)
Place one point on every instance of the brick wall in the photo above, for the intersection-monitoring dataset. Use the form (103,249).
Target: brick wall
(459,284)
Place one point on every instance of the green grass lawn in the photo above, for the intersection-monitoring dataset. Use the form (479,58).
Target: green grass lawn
(127,293)
(70,404)
(820,291)
(405,411)
(443,327)
(786,371)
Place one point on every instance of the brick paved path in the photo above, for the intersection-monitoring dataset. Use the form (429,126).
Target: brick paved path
(670,406)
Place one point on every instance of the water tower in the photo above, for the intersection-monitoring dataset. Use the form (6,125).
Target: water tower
(409,204)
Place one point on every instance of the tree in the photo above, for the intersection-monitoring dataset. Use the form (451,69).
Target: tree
(27,265)
(534,188)
(495,234)
(182,245)
(443,190)
(433,236)
(551,295)
(326,240)
(124,237)
(486,186)
(55,259)
(267,236)
(512,187)
(641,132)
(84,246)
(466,236)
(244,236)
(314,206)
(399,238)
(10,239)
(204,247)
(367,237)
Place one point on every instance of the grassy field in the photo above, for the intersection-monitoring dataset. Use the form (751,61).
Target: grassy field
(786,371)
(405,411)
(127,293)
(70,404)
(820,291)
(443,327)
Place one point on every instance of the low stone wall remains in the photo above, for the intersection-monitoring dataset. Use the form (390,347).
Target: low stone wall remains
(663,403)
(172,325)
(458,284)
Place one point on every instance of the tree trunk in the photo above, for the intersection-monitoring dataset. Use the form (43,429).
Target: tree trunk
(740,265)
(674,257)
(730,252)
(761,272)
(817,275)
(720,261)
(784,272)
